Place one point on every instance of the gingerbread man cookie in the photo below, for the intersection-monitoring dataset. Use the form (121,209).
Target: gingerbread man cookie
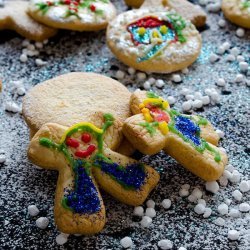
(83,156)
(80,15)
(154,41)
(191,140)
(189,11)
(13,15)
(237,11)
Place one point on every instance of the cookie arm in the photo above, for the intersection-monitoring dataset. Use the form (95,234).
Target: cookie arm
(201,164)
(140,138)
(128,196)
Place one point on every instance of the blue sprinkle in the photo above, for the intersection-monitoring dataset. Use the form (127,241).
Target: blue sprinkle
(84,199)
(188,129)
(132,176)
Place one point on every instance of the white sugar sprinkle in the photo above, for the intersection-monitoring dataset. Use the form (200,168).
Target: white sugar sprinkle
(166,203)
(244,207)
(199,209)
(223,209)
(150,212)
(42,222)
(244,186)
(150,203)
(62,238)
(207,212)
(33,210)
(126,242)
(235,213)
(146,221)
(165,244)
(233,235)
(212,186)
(138,211)
(219,222)
(237,195)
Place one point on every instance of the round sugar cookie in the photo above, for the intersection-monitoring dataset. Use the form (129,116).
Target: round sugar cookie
(154,41)
(237,11)
(75,97)
(80,15)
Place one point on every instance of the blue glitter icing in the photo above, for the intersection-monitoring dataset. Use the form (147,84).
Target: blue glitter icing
(84,198)
(188,129)
(132,176)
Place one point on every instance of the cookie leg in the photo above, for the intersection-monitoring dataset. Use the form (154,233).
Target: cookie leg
(126,148)
(125,179)
(87,216)
(202,164)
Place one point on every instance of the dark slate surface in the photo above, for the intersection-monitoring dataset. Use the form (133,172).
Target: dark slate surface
(21,184)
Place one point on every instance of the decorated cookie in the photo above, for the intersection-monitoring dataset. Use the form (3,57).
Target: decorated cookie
(13,16)
(191,140)
(237,11)
(160,42)
(80,15)
(84,158)
(189,11)
(71,98)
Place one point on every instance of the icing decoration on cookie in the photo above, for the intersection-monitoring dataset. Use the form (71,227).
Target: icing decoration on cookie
(157,113)
(246,4)
(82,145)
(158,33)
(73,6)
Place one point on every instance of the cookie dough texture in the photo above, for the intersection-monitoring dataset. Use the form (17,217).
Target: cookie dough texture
(235,12)
(174,57)
(14,16)
(56,16)
(189,11)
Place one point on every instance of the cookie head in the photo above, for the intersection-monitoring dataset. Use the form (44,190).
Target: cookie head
(160,42)
(78,15)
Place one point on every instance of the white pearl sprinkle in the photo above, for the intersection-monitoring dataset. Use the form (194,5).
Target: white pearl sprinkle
(151,80)
(141,76)
(131,71)
(244,186)
(159,83)
(192,198)
(197,104)
(166,203)
(235,51)
(2,158)
(237,195)
(199,209)
(42,222)
(39,45)
(207,212)
(226,45)
(12,107)
(126,242)
(21,91)
(185,71)
(235,213)
(220,133)
(221,50)
(222,23)
(185,91)
(223,181)
(213,7)
(212,186)
(31,47)
(243,66)
(176,78)
(146,85)
(23,58)
(189,97)
(213,58)
(165,244)
(219,222)
(182,248)
(120,74)
(240,58)
(146,221)
(244,207)
(25,43)
(150,203)
(227,174)
(202,201)
(138,211)
(171,100)
(183,192)
(62,238)
(228,201)
(40,62)
(205,100)
(230,168)
(223,209)
(235,177)
(221,82)
(198,95)
(33,210)
(230,58)
(185,186)
(240,32)
(233,235)
(197,193)
(186,106)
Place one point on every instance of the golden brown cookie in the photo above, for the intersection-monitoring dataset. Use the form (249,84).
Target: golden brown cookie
(153,41)
(91,15)
(189,11)
(83,158)
(14,16)
(237,11)
(188,139)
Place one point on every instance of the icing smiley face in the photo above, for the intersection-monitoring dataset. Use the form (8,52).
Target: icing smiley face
(160,42)
(73,14)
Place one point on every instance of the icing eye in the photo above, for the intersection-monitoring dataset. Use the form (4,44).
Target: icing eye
(72,143)
(86,137)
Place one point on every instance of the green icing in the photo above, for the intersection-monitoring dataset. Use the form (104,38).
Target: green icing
(151,94)
(179,25)
(246,4)
(150,127)
(202,121)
